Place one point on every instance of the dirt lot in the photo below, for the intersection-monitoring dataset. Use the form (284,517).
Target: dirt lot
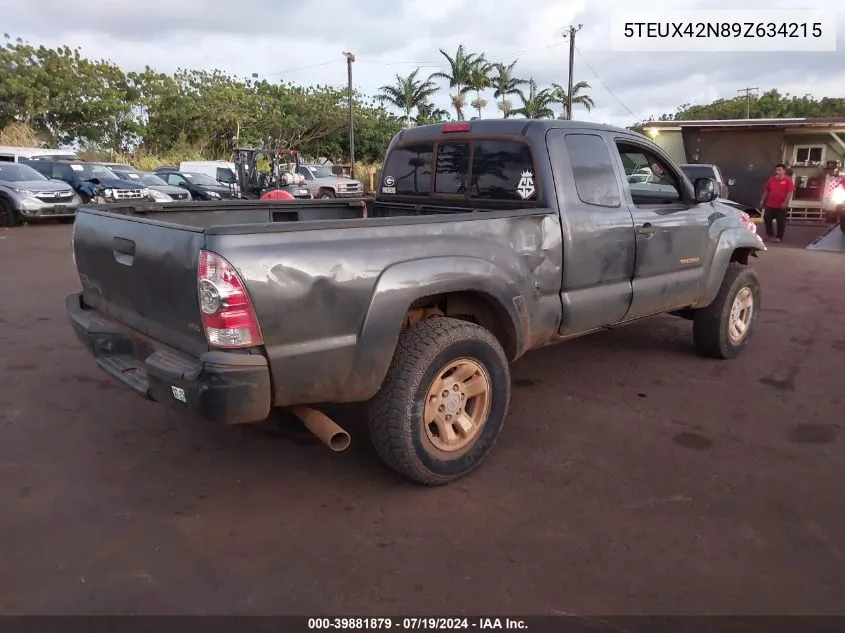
(632,477)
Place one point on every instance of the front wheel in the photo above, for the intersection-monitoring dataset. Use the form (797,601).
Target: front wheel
(8,215)
(326,194)
(723,329)
(443,402)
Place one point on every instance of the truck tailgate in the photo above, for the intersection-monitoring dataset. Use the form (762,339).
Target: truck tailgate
(143,274)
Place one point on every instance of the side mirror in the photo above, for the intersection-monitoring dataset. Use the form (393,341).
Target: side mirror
(705,190)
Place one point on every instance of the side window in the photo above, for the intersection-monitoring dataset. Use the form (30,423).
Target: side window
(649,178)
(63,172)
(42,168)
(592,166)
(408,170)
(175,179)
(305,173)
(224,174)
(502,170)
(452,168)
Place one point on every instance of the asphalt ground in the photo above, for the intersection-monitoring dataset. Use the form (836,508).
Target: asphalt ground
(632,477)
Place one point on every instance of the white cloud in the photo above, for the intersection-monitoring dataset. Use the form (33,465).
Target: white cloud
(394,36)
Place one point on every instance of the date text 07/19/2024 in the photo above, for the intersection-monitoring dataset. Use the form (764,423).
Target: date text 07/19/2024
(416,624)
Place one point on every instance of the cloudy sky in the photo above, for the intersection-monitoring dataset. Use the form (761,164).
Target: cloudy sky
(303,42)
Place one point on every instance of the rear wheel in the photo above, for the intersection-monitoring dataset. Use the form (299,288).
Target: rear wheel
(8,215)
(723,329)
(443,402)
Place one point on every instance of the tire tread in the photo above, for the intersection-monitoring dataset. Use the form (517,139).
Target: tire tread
(416,347)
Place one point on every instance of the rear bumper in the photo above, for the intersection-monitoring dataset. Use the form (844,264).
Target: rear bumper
(219,386)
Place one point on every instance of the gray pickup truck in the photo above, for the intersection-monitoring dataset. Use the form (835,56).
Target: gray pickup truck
(486,239)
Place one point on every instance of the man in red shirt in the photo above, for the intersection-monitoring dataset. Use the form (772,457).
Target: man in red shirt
(775,201)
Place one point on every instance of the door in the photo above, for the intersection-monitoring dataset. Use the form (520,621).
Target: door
(598,234)
(672,231)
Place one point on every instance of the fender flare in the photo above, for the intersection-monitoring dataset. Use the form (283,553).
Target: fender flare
(401,284)
(729,240)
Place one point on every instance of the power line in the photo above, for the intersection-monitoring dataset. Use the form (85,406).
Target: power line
(604,85)
(439,63)
(294,70)
(391,62)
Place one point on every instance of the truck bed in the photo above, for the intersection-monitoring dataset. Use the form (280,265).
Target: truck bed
(204,215)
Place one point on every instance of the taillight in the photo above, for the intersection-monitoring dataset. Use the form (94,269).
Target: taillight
(455,127)
(227,313)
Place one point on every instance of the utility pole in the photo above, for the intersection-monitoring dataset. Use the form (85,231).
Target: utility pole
(350,57)
(747,92)
(571,35)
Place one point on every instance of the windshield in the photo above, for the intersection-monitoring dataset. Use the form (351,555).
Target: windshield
(321,172)
(202,180)
(697,171)
(15,172)
(86,171)
(151,180)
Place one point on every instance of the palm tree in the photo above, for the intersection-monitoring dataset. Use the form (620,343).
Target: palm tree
(577,98)
(459,76)
(428,113)
(408,93)
(535,105)
(504,84)
(479,80)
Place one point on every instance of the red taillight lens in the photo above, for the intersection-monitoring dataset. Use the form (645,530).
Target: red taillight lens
(227,313)
(455,127)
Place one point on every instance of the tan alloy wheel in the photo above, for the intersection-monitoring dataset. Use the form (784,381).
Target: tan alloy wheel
(457,405)
(741,312)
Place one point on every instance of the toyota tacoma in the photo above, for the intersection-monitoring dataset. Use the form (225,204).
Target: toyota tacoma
(486,239)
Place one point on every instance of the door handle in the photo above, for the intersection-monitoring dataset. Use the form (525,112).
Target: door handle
(645,229)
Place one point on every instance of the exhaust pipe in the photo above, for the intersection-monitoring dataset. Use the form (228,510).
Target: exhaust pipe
(323,427)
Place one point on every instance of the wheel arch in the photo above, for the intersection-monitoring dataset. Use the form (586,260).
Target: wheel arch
(468,288)
(734,245)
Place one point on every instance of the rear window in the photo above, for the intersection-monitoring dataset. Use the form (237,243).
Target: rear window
(452,169)
(502,170)
(479,170)
(408,171)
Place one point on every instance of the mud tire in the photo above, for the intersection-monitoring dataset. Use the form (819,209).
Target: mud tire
(711,325)
(396,413)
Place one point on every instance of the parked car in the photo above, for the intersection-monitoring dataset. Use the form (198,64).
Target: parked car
(486,239)
(160,190)
(93,182)
(27,195)
(703,170)
(13,154)
(322,183)
(221,170)
(200,186)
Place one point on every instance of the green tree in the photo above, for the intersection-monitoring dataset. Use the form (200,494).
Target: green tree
(535,104)
(505,84)
(579,97)
(479,80)
(459,76)
(63,96)
(408,93)
(428,113)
